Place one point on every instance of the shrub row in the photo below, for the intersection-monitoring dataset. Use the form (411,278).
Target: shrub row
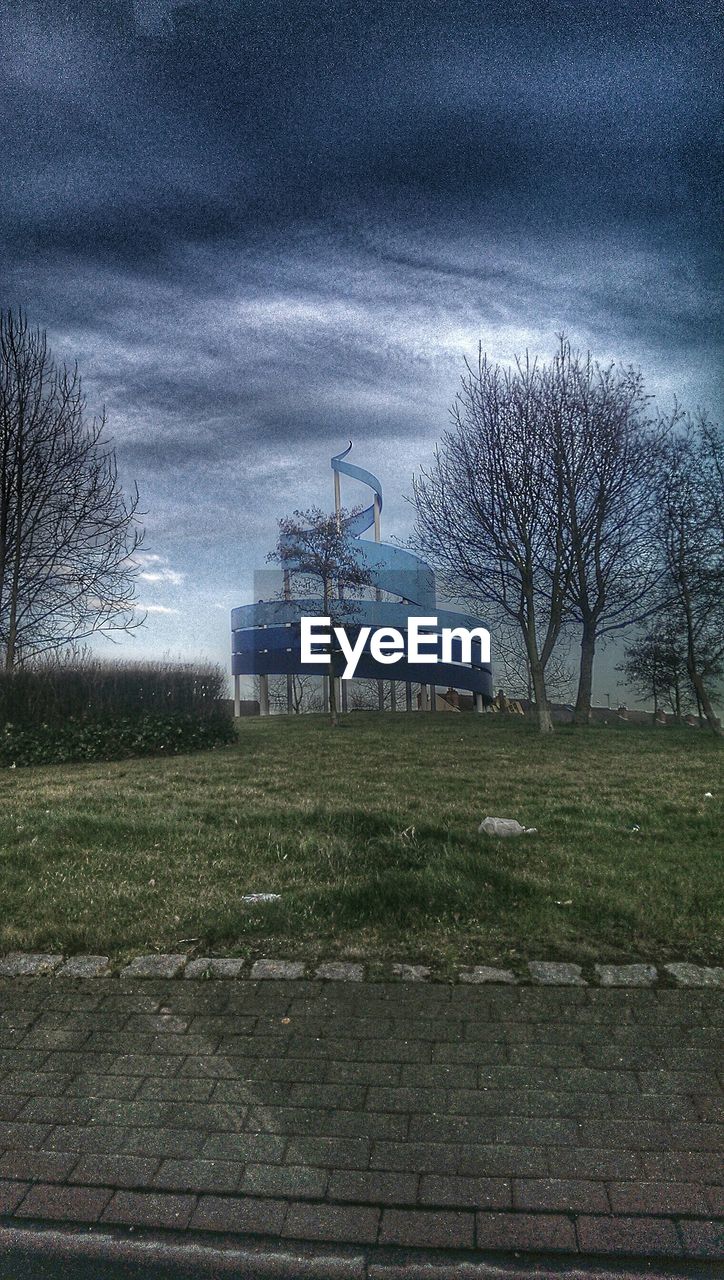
(113,738)
(91,690)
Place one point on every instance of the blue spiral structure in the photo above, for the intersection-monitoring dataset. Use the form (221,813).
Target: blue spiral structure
(265,635)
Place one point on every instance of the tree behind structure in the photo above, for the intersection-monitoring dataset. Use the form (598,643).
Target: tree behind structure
(317,551)
(67,536)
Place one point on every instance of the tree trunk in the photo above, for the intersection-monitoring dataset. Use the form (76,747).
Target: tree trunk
(542,709)
(691,666)
(582,712)
(703,699)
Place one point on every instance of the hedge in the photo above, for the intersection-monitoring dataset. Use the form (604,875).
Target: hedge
(113,738)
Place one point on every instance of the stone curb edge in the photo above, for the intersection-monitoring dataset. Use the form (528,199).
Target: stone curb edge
(217,1256)
(548,973)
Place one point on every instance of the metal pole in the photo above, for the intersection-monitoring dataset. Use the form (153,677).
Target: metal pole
(290,677)
(237,697)
(341,686)
(337,500)
(433,697)
(378,595)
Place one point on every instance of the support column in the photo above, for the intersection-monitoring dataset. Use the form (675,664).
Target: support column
(408,696)
(325,694)
(424,697)
(478,702)
(433,697)
(237,697)
(338,692)
(345,696)
(264,695)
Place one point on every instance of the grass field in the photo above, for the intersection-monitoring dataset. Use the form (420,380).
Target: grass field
(369,833)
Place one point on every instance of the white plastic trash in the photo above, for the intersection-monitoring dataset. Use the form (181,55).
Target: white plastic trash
(504,827)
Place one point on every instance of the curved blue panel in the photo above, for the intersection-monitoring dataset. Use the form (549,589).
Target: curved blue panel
(265,636)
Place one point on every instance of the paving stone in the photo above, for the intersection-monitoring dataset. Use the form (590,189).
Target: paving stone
(17,1136)
(566,1194)
(85,967)
(346,1224)
(341,1153)
(292,1181)
(199,1175)
(337,971)
(38,1166)
(696,975)
(372,1188)
(534,1232)
(259,1148)
(596,1164)
(213,967)
(150,1209)
(426,1228)
(277,969)
(21,964)
(162,966)
(463,1193)
(551,973)
(702,1239)
(644,1237)
(216,1213)
(657,1198)
(65,1204)
(11,1193)
(626,975)
(114,1170)
(483,973)
(411,972)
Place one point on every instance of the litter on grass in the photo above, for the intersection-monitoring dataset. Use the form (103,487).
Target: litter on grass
(504,827)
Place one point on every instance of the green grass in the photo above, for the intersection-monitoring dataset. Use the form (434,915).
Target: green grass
(369,833)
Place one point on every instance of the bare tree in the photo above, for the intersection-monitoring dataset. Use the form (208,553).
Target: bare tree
(690,495)
(607,449)
(316,550)
(511,660)
(300,692)
(489,511)
(67,536)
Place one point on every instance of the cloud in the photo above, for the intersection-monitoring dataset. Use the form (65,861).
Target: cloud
(164,575)
(155,608)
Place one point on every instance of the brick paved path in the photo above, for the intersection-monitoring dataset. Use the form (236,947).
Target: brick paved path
(569,1120)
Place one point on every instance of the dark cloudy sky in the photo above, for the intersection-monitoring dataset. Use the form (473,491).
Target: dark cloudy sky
(262,228)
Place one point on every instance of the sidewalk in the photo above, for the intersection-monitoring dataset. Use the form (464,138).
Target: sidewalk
(479,1121)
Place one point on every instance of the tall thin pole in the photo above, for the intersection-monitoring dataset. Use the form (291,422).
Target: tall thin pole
(378,595)
(290,677)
